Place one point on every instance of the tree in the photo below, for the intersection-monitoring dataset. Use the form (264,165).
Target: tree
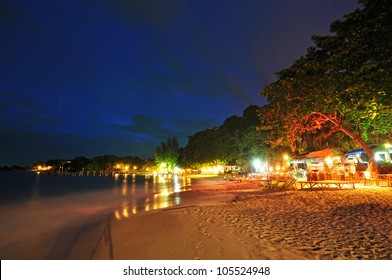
(341,86)
(167,153)
(252,145)
(204,147)
(79,164)
(236,141)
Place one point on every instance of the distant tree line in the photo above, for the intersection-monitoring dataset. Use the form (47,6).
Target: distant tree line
(13,168)
(98,163)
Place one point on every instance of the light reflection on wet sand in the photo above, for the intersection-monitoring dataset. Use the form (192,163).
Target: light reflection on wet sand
(166,190)
(32,229)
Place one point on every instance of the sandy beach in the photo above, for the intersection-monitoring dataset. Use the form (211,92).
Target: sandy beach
(240,220)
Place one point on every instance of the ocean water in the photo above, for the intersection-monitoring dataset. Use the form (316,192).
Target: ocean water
(35,207)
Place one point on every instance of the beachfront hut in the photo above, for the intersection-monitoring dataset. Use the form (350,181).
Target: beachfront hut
(320,165)
(357,160)
(298,166)
(357,156)
(298,161)
(383,153)
(324,160)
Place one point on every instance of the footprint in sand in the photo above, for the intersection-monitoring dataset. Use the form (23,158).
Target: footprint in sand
(199,245)
(205,232)
(200,225)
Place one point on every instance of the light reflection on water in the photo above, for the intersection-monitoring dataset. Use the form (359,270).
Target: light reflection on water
(32,206)
(166,191)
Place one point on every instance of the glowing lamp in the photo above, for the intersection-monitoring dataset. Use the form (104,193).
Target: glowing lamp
(328,160)
(257,165)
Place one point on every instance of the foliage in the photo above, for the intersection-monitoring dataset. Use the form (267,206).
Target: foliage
(13,168)
(167,153)
(105,163)
(78,164)
(342,85)
(236,141)
(385,168)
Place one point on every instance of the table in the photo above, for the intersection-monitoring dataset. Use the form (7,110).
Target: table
(389,179)
(386,177)
(325,184)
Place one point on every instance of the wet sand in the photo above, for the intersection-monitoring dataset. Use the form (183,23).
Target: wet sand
(239,220)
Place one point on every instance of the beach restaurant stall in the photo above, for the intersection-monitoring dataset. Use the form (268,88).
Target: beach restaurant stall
(324,165)
(324,160)
(357,156)
(383,153)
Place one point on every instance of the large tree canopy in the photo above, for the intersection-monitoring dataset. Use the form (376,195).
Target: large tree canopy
(236,141)
(343,84)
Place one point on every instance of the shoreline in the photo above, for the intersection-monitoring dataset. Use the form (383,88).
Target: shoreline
(238,220)
(141,232)
(51,227)
(216,219)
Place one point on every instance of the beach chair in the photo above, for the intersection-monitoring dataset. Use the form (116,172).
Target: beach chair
(369,178)
(282,185)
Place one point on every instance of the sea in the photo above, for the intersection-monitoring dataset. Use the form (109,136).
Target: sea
(38,206)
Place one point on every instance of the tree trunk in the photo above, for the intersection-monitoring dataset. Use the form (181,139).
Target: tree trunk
(372,168)
(372,164)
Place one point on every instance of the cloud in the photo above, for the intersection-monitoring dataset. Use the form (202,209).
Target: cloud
(153,130)
(144,126)
(27,114)
(188,126)
(9,101)
(41,120)
(153,12)
(186,56)
(24,147)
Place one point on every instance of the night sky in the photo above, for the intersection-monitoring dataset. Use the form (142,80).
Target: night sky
(95,77)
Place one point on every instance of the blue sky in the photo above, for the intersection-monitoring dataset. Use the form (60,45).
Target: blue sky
(94,77)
